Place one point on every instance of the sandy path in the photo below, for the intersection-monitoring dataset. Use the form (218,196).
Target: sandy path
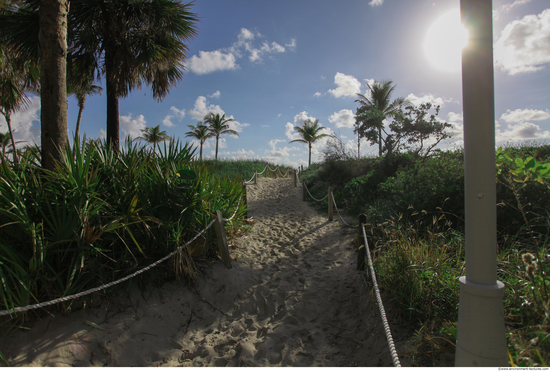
(293,298)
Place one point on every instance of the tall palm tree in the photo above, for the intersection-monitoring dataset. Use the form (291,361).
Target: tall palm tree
(81,91)
(310,134)
(131,43)
(218,125)
(199,132)
(374,110)
(154,135)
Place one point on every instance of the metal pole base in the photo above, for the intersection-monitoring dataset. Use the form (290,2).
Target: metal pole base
(481,338)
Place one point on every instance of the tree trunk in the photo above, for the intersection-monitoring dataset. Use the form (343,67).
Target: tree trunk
(7,116)
(379,142)
(113,125)
(201,151)
(309,163)
(53,85)
(217,140)
(80,109)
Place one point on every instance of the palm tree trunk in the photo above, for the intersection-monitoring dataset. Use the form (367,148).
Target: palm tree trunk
(7,116)
(309,163)
(53,86)
(379,142)
(79,118)
(201,151)
(113,124)
(217,139)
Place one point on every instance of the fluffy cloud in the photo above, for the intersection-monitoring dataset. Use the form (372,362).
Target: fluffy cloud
(201,109)
(376,2)
(522,115)
(348,86)
(521,131)
(524,45)
(343,118)
(180,114)
(216,94)
(208,62)
(426,98)
(22,124)
(240,154)
(132,126)
(299,120)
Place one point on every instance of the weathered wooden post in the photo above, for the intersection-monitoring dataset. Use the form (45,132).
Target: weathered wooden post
(330,203)
(295,179)
(303,190)
(255,177)
(245,201)
(222,240)
(362,252)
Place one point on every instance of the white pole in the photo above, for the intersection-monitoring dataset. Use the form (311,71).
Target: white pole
(481,339)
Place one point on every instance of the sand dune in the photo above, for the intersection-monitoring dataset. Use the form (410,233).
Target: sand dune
(292,298)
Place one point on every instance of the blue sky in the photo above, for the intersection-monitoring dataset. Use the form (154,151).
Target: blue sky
(272,64)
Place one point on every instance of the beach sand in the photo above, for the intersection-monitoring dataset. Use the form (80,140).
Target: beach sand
(292,298)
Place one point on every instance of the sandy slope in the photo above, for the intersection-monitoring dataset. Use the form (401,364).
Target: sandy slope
(293,298)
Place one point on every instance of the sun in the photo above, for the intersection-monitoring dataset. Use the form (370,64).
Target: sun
(444,42)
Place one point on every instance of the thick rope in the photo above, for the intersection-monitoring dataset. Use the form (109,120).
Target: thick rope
(263,170)
(340,215)
(304,183)
(393,351)
(235,213)
(102,287)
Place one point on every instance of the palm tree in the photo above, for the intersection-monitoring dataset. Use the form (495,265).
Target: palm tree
(131,43)
(309,133)
(199,132)
(375,109)
(81,91)
(17,75)
(154,135)
(218,125)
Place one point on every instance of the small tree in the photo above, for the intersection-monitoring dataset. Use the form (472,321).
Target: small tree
(199,132)
(81,90)
(218,125)
(310,134)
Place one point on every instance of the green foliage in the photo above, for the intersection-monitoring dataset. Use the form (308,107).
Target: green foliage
(103,215)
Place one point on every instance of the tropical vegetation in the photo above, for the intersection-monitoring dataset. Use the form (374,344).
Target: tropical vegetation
(310,133)
(200,133)
(218,125)
(415,222)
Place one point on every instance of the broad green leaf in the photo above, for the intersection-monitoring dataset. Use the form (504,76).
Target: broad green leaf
(530,162)
(519,162)
(186,174)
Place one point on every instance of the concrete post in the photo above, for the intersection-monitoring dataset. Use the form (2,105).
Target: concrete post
(362,252)
(222,240)
(330,204)
(481,339)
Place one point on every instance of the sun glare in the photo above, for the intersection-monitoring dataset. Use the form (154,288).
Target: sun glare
(445,40)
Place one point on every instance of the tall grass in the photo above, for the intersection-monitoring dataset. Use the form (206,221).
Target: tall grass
(102,215)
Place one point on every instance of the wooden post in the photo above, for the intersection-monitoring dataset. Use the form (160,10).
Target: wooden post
(255,177)
(302,169)
(295,179)
(330,204)
(276,171)
(303,190)
(245,201)
(362,252)
(222,240)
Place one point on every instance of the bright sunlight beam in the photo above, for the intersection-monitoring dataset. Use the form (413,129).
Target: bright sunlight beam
(444,42)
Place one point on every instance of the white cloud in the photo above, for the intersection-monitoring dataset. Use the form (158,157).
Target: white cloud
(318,94)
(299,120)
(524,45)
(426,98)
(216,94)
(132,126)
(208,62)
(240,154)
(180,114)
(376,2)
(292,44)
(521,131)
(343,118)
(456,120)
(507,7)
(201,109)
(348,86)
(22,124)
(245,34)
(522,115)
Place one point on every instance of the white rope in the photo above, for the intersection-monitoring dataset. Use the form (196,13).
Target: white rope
(263,170)
(235,213)
(393,351)
(248,181)
(304,183)
(340,215)
(102,287)
(271,168)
